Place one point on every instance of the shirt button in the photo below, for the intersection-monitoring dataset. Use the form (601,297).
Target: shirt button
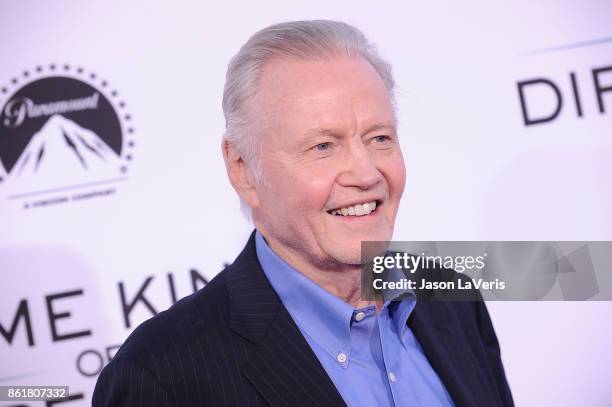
(341,357)
(359,316)
(392,377)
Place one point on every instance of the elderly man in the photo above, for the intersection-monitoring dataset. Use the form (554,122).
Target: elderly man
(312,150)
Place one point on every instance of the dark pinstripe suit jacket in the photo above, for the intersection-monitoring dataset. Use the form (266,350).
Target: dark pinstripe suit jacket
(233,343)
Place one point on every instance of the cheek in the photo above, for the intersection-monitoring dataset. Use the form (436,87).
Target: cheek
(314,187)
(309,187)
(300,190)
(395,173)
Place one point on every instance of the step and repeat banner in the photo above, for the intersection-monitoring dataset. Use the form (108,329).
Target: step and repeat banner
(114,202)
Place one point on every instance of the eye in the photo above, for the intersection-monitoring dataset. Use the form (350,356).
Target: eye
(381,139)
(323,146)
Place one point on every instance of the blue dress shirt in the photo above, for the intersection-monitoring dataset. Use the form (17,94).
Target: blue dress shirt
(373,360)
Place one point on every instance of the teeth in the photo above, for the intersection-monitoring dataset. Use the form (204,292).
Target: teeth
(355,210)
(359,210)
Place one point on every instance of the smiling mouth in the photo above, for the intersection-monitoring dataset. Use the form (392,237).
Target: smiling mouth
(361,209)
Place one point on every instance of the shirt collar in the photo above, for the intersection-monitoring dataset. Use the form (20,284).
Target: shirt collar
(399,303)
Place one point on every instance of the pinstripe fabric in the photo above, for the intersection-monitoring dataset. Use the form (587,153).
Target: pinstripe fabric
(233,343)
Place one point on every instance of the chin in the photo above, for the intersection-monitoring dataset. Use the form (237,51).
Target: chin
(347,249)
(348,254)
(347,259)
(373,236)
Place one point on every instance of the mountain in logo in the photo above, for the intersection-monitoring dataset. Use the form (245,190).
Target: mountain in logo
(63,149)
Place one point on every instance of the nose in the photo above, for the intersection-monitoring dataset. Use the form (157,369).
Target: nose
(358,169)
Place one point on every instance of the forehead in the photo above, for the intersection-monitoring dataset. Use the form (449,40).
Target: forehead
(336,93)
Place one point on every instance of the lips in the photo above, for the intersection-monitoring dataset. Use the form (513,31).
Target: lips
(360,209)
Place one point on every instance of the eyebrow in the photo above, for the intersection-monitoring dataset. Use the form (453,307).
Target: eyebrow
(381,125)
(322,131)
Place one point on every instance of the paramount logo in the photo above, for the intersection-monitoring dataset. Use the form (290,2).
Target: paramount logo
(18,109)
(60,134)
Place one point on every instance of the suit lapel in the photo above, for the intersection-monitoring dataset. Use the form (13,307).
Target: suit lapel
(450,355)
(287,372)
(282,367)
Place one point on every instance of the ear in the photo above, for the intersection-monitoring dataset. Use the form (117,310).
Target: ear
(240,174)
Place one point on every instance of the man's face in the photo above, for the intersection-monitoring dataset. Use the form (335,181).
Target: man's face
(328,147)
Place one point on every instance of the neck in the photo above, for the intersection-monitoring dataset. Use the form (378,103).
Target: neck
(341,280)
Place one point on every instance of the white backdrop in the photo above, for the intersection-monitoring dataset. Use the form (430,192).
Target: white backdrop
(476,171)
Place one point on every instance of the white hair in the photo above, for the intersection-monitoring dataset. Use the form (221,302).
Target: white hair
(306,40)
